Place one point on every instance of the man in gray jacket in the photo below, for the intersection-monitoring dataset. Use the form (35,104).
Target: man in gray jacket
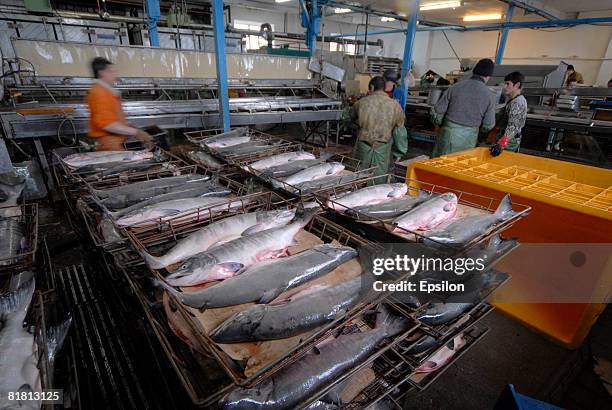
(463,110)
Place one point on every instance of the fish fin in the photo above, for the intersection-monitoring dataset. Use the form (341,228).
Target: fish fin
(56,336)
(504,210)
(18,299)
(253,230)
(236,267)
(269,296)
(391,323)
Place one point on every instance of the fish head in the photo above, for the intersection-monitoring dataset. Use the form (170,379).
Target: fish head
(243,399)
(398,190)
(201,262)
(242,323)
(334,168)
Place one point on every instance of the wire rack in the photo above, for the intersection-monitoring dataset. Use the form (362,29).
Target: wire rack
(380,228)
(27,216)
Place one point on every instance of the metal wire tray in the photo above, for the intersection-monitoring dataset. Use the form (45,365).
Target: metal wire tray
(394,371)
(176,166)
(279,145)
(225,169)
(180,356)
(93,210)
(377,228)
(29,219)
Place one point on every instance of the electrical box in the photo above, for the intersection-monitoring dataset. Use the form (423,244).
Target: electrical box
(178,19)
(38,6)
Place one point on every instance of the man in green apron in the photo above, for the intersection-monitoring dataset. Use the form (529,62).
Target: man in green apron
(513,117)
(463,110)
(382,135)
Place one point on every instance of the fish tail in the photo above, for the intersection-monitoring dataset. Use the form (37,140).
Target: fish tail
(504,210)
(153,262)
(390,323)
(19,299)
(187,299)
(56,336)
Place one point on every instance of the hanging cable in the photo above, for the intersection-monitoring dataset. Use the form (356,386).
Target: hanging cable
(451,46)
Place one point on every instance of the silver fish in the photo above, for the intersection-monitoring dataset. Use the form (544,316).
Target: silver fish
(12,186)
(250,147)
(130,167)
(290,168)
(312,373)
(281,159)
(315,172)
(388,209)
(169,209)
(18,368)
(371,195)
(303,312)
(191,190)
(12,240)
(266,280)
(150,183)
(326,182)
(427,215)
(205,159)
(226,138)
(424,344)
(101,157)
(466,229)
(220,231)
(232,257)
(108,231)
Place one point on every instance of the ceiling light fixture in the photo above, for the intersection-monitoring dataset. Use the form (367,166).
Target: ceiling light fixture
(438,5)
(341,11)
(282,1)
(482,17)
(387,19)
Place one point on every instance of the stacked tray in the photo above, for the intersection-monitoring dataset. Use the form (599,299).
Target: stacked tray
(379,220)
(19,237)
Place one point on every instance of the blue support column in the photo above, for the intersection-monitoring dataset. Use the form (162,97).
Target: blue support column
(154,14)
(408,45)
(504,36)
(314,27)
(219,30)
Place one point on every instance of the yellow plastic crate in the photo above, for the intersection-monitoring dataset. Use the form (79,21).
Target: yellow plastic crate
(570,203)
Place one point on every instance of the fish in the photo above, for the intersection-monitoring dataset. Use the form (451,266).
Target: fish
(169,209)
(304,378)
(250,147)
(313,173)
(321,405)
(265,281)
(326,182)
(464,230)
(217,232)
(128,168)
(191,190)
(443,356)
(227,142)
(290,168)
(225,138)
(304,311)
(12,186)
(281,159)
(388,209)
(180,327)
(101,157)
(18,365)
(424,344)
(12,240)
(232,257)
(205,159)
(149,184)
(371,195)
(108,231)
(427,215)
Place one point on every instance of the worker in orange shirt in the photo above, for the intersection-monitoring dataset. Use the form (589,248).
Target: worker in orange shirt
(107,123)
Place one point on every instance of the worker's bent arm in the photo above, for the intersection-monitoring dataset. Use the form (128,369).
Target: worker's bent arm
(120,129)
(517,116)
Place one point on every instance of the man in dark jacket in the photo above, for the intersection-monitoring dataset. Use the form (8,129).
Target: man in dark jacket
(463,110)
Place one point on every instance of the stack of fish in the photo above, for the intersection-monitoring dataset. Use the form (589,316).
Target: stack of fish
(422,212)
(301,172)
(105,158)
(238,142)
(159,199)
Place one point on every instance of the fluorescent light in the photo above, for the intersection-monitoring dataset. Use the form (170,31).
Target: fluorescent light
(481,17)
(282,1)
(437,5)
(340,11)
(387,19)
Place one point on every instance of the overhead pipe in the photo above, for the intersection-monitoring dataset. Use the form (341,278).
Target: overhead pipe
(531,9)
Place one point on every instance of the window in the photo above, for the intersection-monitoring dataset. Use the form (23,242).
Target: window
(253,42)
(346,48)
